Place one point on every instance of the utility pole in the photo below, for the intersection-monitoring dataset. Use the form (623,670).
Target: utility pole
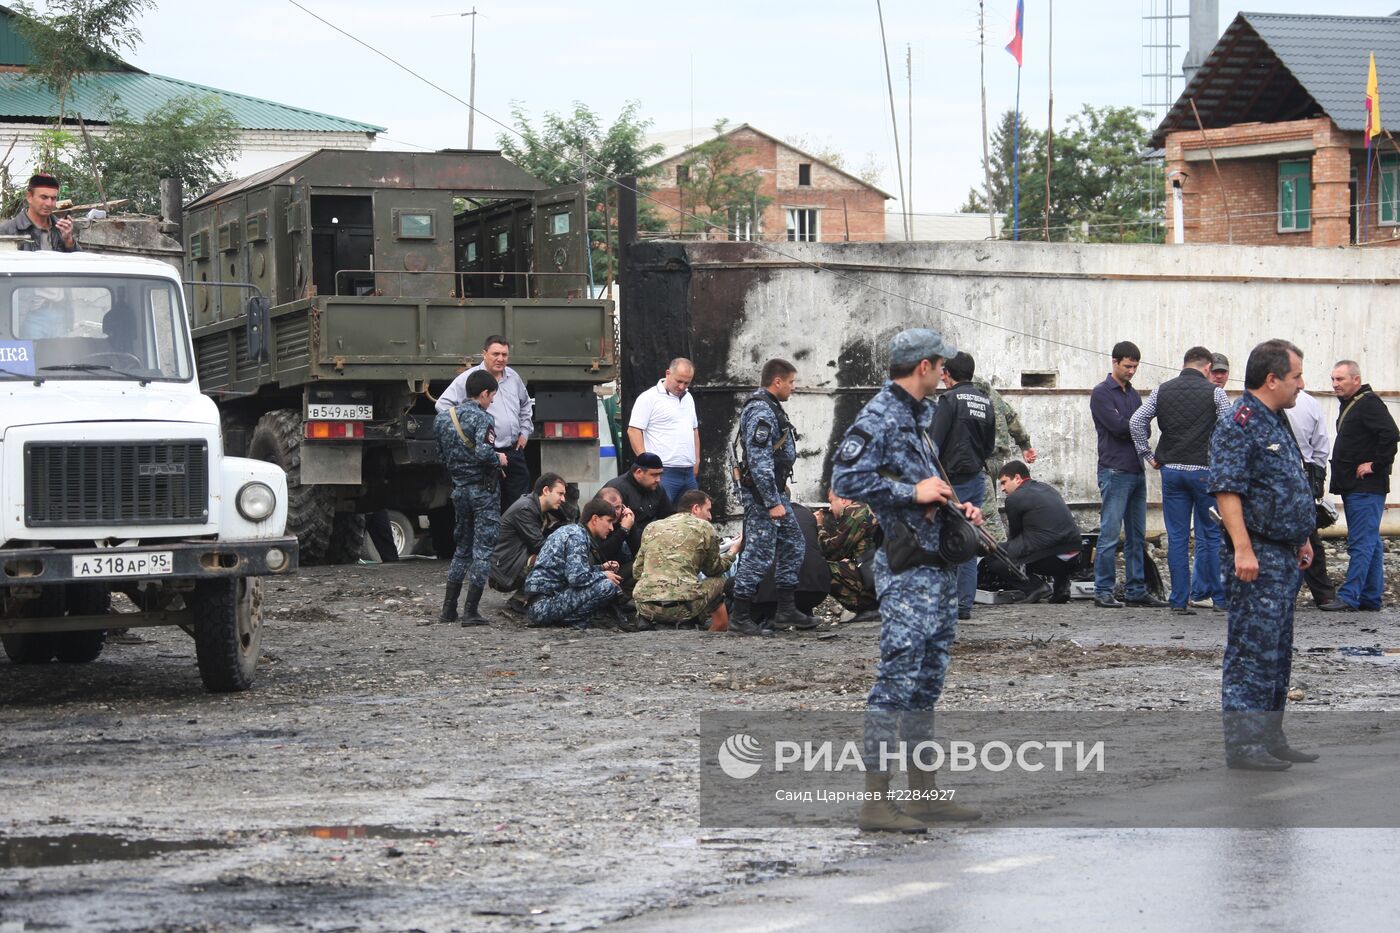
(471,87)
(894,122)
(1050,119)
(909,74)
(986,156)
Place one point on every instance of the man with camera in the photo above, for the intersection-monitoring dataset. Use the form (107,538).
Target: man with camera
(887,461)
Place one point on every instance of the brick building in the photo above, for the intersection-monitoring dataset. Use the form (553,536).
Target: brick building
(1282,159)
(808,199)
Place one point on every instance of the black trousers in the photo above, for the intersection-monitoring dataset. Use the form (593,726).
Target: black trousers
(516,481)
(377,527)
(1319,584)
(1058,570)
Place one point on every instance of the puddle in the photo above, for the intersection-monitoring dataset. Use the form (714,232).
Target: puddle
(370,831)
(86,848)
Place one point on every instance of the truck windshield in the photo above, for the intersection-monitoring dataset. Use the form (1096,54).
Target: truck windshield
(93,327)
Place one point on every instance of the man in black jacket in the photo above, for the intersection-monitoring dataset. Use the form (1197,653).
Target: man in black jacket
(1361,460)
(1043,534)
(642,492)
(524,526)
(965,432)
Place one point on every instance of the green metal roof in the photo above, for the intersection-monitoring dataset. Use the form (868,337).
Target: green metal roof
(23,97)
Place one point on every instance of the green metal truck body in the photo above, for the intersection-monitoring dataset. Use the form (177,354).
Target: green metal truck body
(385,272)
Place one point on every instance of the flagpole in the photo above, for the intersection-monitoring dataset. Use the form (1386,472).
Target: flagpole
(1016,165)
(1363,234)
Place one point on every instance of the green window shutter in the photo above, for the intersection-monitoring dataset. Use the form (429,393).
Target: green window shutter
(1295,195)
(1304,208)
(1387,212)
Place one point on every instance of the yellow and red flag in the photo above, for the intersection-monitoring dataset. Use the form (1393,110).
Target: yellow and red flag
(1373,104)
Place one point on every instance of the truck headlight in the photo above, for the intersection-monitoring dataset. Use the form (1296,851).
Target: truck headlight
(256,501)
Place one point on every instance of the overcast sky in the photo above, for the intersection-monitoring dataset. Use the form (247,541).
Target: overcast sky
(789,67)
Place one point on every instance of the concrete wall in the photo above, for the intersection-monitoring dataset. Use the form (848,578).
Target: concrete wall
(1043,314)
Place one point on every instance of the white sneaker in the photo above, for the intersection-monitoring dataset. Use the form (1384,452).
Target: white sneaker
(1202,603)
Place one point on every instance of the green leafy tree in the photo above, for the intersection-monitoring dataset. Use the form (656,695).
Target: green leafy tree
(191,138)
(1003,152)
(715,191)
(567,148)
(77,36)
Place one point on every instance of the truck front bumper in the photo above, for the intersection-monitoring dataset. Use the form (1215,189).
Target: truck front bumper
(200,560)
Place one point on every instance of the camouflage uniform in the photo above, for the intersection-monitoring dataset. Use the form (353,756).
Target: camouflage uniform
(565,588)
(475,470)
(1012,438)
(675,551)
(767,542)
(1253,453)
(880,460)
(846,542)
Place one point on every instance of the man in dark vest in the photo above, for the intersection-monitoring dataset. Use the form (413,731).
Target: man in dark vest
(1186,409)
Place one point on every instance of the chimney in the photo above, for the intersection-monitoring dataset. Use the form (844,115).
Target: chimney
(1205,32)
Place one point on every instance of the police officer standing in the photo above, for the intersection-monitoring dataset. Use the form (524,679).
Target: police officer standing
(1266,505)
(767,451)
(886,461)
(466,437)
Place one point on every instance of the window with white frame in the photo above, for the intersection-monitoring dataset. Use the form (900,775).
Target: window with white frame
(803,224)
(741,225)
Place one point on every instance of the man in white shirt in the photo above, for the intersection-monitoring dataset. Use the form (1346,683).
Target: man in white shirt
(512,409)
(663,422)
(1310,430)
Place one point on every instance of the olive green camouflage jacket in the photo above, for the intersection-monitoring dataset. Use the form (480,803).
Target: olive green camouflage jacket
(675,550)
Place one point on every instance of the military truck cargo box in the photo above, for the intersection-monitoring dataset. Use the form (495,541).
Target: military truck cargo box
(385,272)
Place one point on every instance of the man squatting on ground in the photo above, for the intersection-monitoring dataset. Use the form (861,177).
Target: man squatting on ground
(466,444)
(524,526)
(849,534)
(675,552)
(565,588)
(1044,536)
(886,460)
(767,446)
(1266,504)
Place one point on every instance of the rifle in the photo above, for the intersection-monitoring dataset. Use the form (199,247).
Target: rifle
(990,545)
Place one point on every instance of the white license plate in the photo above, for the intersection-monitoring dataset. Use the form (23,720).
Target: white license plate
(132,564)
(340,412)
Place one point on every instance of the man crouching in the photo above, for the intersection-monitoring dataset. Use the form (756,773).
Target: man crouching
(565,588)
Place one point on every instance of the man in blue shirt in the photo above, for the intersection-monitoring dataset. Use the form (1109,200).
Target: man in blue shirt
(512,410)
(1122,484)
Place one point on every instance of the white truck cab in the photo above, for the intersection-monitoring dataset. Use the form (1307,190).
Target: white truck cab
(113,475)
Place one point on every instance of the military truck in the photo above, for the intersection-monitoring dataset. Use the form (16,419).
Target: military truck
(383,273)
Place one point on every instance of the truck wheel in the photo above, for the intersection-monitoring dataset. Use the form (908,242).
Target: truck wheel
(84,599)
(227,632)
(37,647)
(347,538)
(404,532)
(310,509)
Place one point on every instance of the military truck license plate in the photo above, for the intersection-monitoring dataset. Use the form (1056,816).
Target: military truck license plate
(138,564)
(340,412)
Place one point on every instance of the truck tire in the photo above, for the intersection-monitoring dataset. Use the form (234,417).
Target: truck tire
(310,509)
(347,538)
(227,632)
(38,647)
(404,531)
(84,599)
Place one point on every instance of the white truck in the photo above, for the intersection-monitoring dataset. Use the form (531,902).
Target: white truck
(113,476)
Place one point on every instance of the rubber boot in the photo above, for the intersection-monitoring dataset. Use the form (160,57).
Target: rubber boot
(927,807)
(788,615)
(449,601)
(878,814)
(741,619)
(471,612)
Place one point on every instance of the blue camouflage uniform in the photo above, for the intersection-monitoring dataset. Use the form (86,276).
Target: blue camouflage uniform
(565,588)
(881,458)
(769,449)
(1254,454)
(475,470)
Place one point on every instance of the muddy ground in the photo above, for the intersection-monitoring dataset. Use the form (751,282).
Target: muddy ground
(387,775)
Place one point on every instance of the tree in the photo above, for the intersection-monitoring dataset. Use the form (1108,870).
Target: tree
(191,138)
(871,171)
(570,147)
(715,191)
(1099,178)
(77,36)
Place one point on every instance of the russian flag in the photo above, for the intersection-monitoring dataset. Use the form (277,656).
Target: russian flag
(1014,46)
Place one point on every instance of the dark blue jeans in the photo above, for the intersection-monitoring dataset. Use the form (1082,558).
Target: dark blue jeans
(1124,511)
(1365,574)
(1185,495)
(676,480)
(974,491)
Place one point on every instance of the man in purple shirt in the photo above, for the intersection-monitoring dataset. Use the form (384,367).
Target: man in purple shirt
(1122,484)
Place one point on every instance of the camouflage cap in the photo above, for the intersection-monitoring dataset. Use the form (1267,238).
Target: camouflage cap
(918,343)
(1219,363)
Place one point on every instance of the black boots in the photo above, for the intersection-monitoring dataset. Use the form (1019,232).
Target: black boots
(471,612)
(449,601)
(741,619)
(788,615)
